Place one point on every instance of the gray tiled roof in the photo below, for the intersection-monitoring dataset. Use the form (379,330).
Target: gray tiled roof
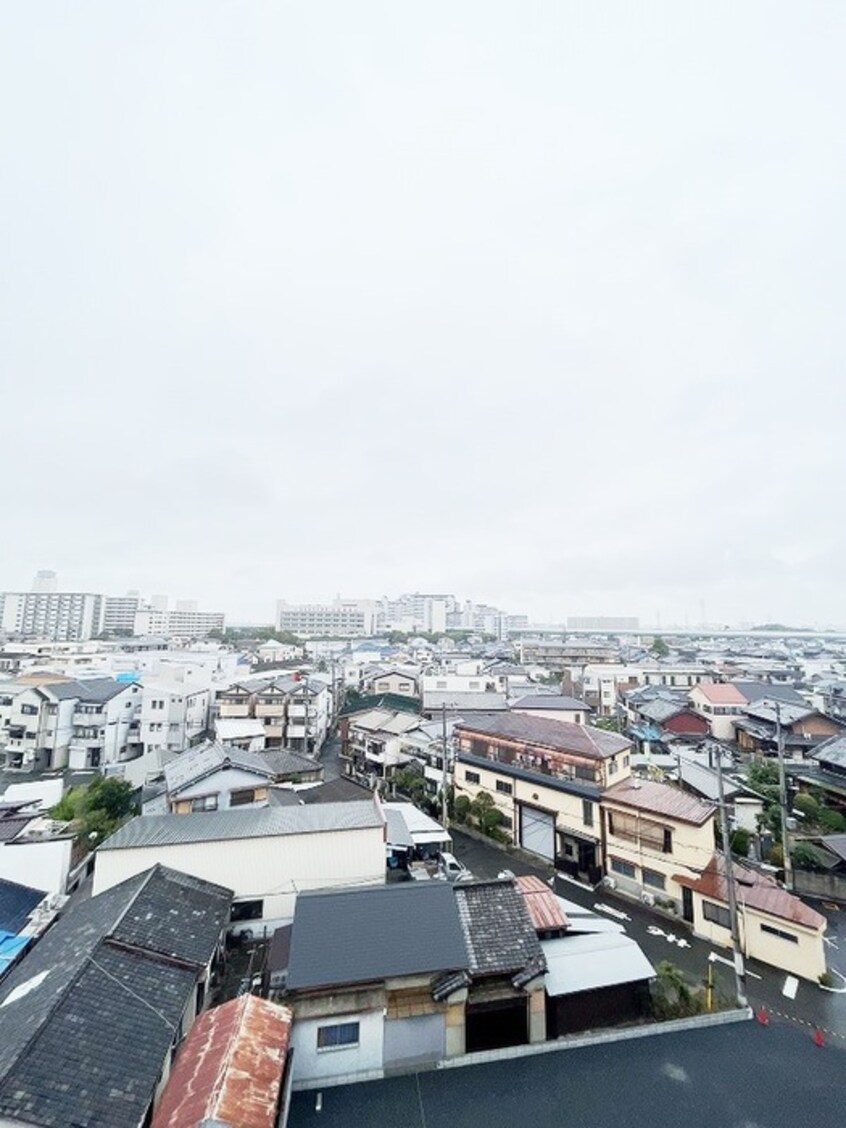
(16,904)
(88,1015)
(196,763)
(833,751)
(563,736)
(498,930)
(550,702)
(255,822)
(368,934)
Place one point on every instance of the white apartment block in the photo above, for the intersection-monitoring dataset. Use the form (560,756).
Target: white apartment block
(78,724)
(119,613)
(416,611)
(173,716)
(59,615)
(185,621)
(343,617)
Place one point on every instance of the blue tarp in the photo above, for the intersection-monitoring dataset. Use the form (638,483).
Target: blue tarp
(10,948)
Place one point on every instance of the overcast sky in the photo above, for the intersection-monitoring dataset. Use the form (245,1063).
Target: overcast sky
(538,303)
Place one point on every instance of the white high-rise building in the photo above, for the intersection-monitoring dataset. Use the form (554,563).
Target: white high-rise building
(61,616)
(45,581)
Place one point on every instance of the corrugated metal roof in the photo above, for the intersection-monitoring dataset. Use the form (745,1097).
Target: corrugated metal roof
(659,799)
(551,701)
(230,1068)
(258,822)
(588,962)
(544,907)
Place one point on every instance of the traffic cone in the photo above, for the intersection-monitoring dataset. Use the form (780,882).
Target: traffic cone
(818,1038)
(763,1017)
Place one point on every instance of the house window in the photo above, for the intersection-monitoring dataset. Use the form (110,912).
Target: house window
(587,812)
(625,761)
(654,879)
(472,777)
(338,1037)
(242,798)
(506,822)
(503,787)
(612,767)
(206,803)
(717,914)
(667,845)
(246,910)
(28,710)
(625,869)
(768,928)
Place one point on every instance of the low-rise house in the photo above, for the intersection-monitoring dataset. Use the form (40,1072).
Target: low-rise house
(377,979)
(232,1070)
(373,744)
(556,707)
(775,927)
(826,769)
(801,728)
(247,733)
(546,778)
(394,680)
(212,777)
(505,1000)
(34,849)
(265,855)
(653,832)
(596,975)
(91,1015)
(721,704)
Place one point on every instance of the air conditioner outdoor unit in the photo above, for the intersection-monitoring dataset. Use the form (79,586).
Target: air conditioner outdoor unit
(609,882)
(647,898)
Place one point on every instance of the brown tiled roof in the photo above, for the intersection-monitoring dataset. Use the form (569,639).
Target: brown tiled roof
(755,890)
(562,736)
(662,799)
(544,907)
(721,694)
(230,1068)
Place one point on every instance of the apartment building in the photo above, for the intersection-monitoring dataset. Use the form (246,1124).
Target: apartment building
(119,613)
(58,615)
(174,715)
(296,712)
(546,778)
(77,724)
(346,618)
(184,621)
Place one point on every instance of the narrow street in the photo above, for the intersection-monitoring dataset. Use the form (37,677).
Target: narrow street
(662,938)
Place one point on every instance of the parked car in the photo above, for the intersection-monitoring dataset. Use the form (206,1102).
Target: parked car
(450,869)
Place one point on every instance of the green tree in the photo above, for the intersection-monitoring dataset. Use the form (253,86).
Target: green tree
(740,842)
(831,821)
(96,811)
(660,648)
(461,808)
(807,805)
(807,857)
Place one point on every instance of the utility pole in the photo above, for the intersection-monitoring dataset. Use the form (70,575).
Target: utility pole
(305,701)
(739,967)
(782,790)
(444,805)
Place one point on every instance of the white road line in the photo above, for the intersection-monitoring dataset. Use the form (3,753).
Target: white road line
(791,986)
(599,907)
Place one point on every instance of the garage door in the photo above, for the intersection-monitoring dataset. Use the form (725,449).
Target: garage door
(537,831)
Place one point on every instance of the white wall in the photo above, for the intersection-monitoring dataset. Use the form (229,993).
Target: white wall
(41,865)
(270,868)
(313,1064)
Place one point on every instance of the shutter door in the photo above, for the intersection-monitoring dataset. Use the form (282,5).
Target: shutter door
(537,832)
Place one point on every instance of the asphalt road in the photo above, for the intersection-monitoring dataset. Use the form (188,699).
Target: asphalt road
(738,1076)
(330,757)
(812,1007)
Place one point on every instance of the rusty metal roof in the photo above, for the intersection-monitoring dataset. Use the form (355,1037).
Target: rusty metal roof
(544,907)
(661,799)
(230,1068)
(756,890)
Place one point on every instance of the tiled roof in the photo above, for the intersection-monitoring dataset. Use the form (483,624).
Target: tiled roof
(562,736)
(368,934)
(661,799)
(88,1016)
(12,825)
(16,904)
(230,1068)
(255,822)
(499,933)
(755,890)
(832,751)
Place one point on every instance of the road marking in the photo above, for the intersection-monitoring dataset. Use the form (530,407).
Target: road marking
(714,958)
(791,986)
(611,912)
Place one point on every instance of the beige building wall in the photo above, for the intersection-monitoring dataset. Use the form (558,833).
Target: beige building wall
(692,850)
(803,956)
